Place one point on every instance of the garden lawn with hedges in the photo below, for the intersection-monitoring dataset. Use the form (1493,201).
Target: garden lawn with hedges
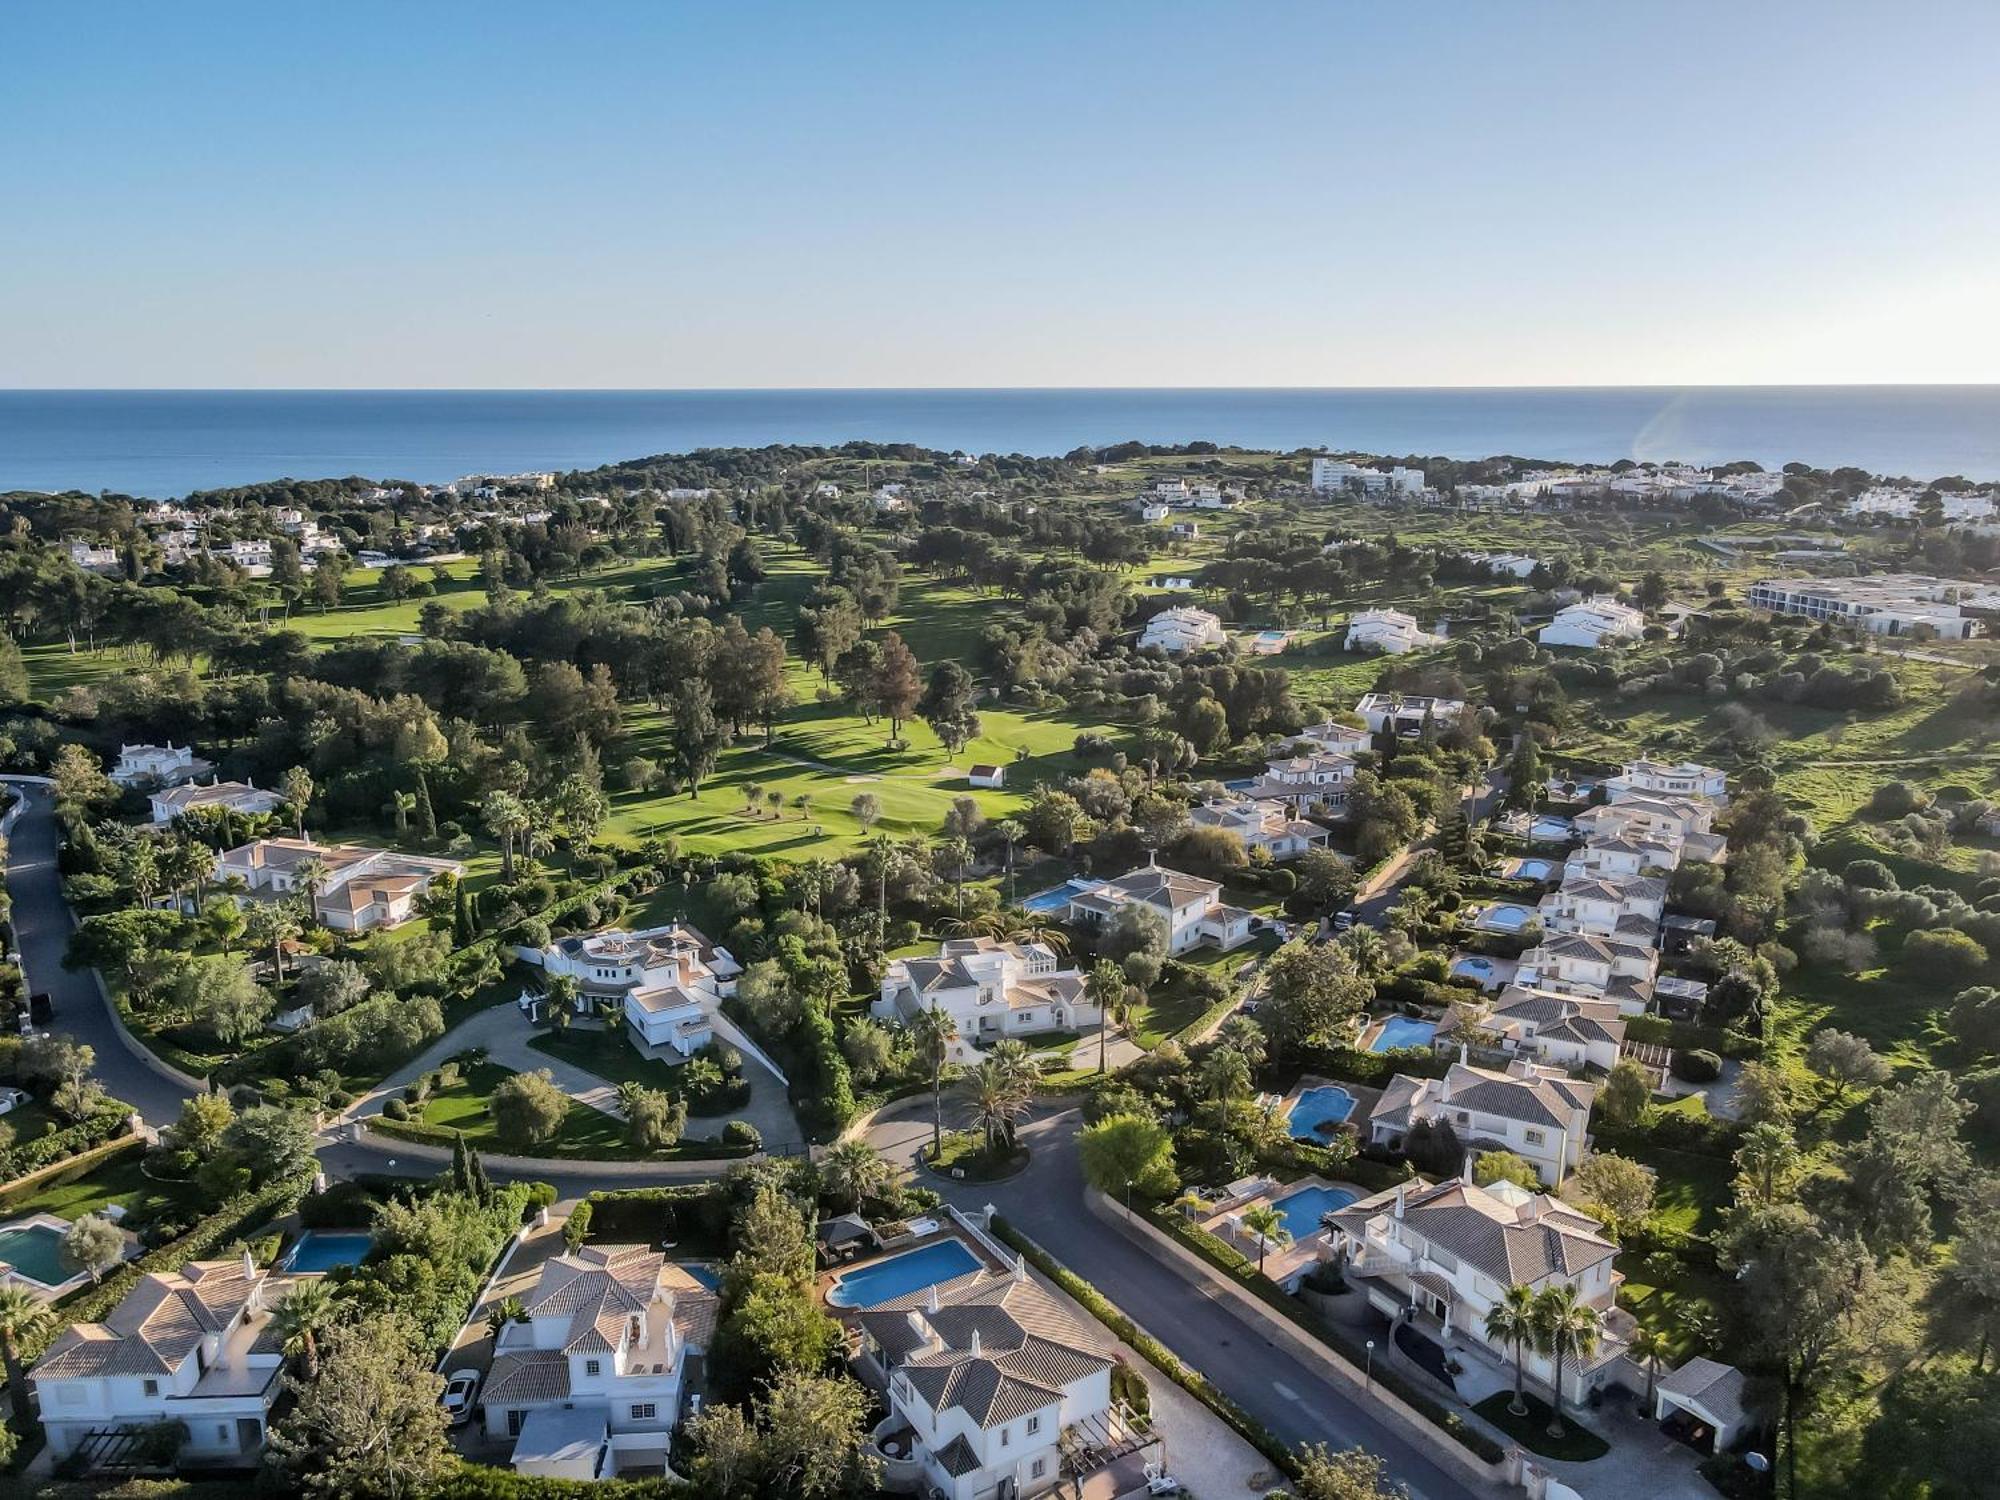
(1576,1445)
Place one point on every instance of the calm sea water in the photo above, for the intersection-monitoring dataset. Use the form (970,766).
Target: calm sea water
(161,443)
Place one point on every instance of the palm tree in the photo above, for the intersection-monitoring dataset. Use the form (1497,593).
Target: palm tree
(1565,1329)
(312,876)
(934,1031)
(507,1310)
(1649,1347)
(1106,988)
(1190,1203)
(1246,1037)
(1511,1322)
(1225,1074)
(1011,833)
(300,1320)
(559,993)
(630,1092)
(853,1171)
(1268,1225)
(1022,1067)
(22,1317)
(403,804)
(997,1099)
(506,818)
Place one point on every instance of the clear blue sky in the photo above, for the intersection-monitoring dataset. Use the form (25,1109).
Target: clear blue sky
(1013,193)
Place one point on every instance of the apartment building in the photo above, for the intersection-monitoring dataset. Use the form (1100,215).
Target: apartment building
(1885,604)
(1591,624)
(1181,629)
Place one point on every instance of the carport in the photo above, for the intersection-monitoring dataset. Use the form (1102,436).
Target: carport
(1701,1403)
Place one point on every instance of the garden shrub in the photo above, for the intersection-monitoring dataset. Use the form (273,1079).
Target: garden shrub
(1697,1066)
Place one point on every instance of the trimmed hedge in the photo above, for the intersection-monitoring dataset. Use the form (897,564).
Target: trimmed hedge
(106,1121)
(689,1149)
(1243,1271)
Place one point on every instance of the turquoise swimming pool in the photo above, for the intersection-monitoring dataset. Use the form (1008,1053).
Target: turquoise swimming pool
(1056,898)
(1328,1104)
(35,1253)
(319,1251)
(1302,1210)
(898,1276)
(1403,1031)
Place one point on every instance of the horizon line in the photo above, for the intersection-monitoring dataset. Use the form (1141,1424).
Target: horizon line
(697,390)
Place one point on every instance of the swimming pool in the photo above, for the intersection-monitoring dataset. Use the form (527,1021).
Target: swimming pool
(1057,898)
(1273,637)
(704,1273)
(1550,829)
(1303,1209)
(1505,918)
(319,1251)
(898,1276)
(1533,869)
(35,1253)
(1328,1104)
(1403,1031)
(1474,968)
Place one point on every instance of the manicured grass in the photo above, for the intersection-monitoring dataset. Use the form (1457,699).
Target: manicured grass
(965,1151)
(28,1122)
(585,1132)
(1659,1290)
(1576,1445)
(119,1181)
(609,1056)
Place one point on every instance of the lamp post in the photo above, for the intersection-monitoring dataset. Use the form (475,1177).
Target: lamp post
(1368,1382)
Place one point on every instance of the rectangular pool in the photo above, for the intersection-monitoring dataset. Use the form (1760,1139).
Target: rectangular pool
(900,1275)
(1056,898)
(1303,1209)
(319,1251)
(35,1253)
(1403,1031)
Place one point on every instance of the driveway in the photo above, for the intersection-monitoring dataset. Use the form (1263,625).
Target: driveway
(42,925)
(1295,1401)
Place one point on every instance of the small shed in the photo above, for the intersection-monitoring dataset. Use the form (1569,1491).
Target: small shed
(987,776)
(1701,1403)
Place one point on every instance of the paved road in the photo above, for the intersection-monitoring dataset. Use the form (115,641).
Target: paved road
(42,924)
(1294,1400)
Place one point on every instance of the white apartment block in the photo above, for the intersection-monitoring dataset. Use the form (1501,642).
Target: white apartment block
(1181,629)
(1261,823)
(992,1378)
(1335,476)
(1406,714)
(228,796)
(157,765)
(1536,1113)
(1516,565)
(608,1333)
(1451,1252)
(193,1346)
(668,981)
(1390,631)
(1593,623)
(1193,908)
(990,989)
(1899,504)
(1886,604)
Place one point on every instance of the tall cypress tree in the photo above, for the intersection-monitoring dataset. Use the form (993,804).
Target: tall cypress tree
(427,823)
(461,1169)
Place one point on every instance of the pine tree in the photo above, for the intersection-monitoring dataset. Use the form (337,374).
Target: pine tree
(482,1188)
(427,823)
(461,1169)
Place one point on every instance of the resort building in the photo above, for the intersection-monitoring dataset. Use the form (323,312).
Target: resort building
(990,989)
(1449,1253)
(1536,1113)
(1265,823)
(1390,631)
(193,1346)
(669,982)
(360,889)
(157,766)
(1406,714)
(1886,604)
(1592,623)
(1194,909)
(1336,476)
(592,1381)
(1181,629)
(993,1382)
(228,796)
(1652,778)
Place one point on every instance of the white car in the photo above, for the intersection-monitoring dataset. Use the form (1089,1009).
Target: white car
(459,1391)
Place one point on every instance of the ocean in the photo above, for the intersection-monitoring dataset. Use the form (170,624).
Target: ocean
(166,443)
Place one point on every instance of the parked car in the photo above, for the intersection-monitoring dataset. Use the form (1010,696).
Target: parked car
(459,1392)
(41,1009)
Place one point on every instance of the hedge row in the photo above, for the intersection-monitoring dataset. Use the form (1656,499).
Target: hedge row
(233,1221)
(441,1135)
(1193,1382)
(69,1169)
(1243,1271)
(108,1120)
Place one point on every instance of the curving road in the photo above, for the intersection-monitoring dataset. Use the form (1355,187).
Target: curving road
(42,925)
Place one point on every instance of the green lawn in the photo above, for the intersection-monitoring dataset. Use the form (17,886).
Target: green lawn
(1660,1295)
(28,1122)
(609,1056)
(118,1181)
(585,1132)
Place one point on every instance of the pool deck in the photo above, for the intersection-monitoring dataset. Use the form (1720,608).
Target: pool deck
(42,1289)
(828,1279)
(1499,973)
(1365,1098)
(1280,1265)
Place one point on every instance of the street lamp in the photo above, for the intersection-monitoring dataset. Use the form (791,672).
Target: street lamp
(1368,1383)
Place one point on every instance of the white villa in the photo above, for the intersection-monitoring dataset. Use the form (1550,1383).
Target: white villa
(1559,1031)
(364,889)
(608,1332)
(1181,629)
(1405,714)
(1540,1114)
(1623,854)
(1685,820)
(193,1346)
(1593,623)
(990,989)
(157,766)
(669,981)
(1388,630)
(1450,1252)
(1194,908)
(1622,906)
(993,1380)
(1335,738)
(1593,968)
(1307,783)
(1652,778)
(1262,823)
(230,796)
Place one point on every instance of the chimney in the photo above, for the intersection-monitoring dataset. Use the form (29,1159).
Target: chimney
(932,1304)
(1401,1189)
(1021,1268)
(976,1350)
(1463,1055)
(1465,1172)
